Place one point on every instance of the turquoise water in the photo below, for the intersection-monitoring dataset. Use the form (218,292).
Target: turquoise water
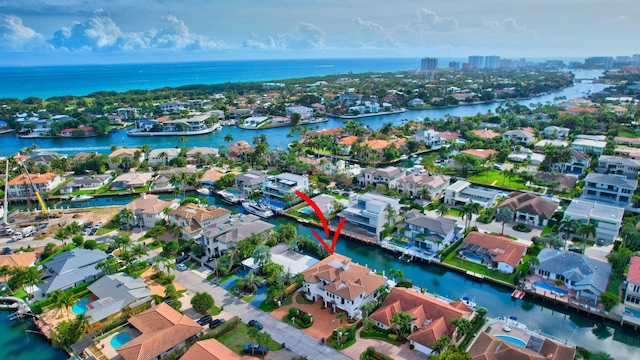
(80,307)
(120,340)
(544,285)
(512,340)
(18,344)
(471,256)
(307,210)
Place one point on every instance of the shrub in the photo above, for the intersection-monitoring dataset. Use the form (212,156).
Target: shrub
(202,302)
(522,228)
(392,337)
(293,312)
(90,244)
(371,350)
(78,240)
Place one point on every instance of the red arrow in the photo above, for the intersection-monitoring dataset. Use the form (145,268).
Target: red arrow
(315,207)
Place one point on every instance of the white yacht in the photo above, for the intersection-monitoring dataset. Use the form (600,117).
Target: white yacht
(228,197)
(257,209)
(204,191)
(80,198)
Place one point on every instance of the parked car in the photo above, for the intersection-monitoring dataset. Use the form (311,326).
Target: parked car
(204,320)
(93,231)
(6,251)
(182,258)
(255,349)
(181,267)
(215,323)
(86,231)
(88,225)
(168,301)
(98,225)
(256,324)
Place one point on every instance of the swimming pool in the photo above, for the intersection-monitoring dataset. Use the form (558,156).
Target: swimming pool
(512,340)
(544,285)
(307,210)
(80,307)
(471,256)
(120,340)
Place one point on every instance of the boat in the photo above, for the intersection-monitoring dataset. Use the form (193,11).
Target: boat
(257,209)
(204,191)
(228,197)
(80,198)
(359,116)
(183,127)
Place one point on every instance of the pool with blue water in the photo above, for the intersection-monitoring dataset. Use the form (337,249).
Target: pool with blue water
(544,285)
(120,340)
(512,340)
(80,307)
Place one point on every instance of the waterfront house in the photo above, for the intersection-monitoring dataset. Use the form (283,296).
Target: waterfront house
(519,136)
(375,176)
(240,150)
(171,107)
(586,145)
(415,185)
(44,158)
(556,132)
(162,329)
(430,137)
(489,347)
(577,165)
(277,187)
(114,294)
(85,183)
(16,260)
(587,276)
(618,165)
(250,182)
(71,268)
(133,154)
(482,154)
(495,252)
(131,180)
(431,316)
(461,192)
(149,209)
(370,211)
(417,102)
(342,284)
(485,133)
(162,156)
(428,233)
(632,297)
(305,112)
(196,154)
(615,190)
(292,262)
(449,136)
(79,131)
(608,219)
(193,219)
(210,176)
(557,182)
(20,187)
(225,232)
(212,349)
(529,208)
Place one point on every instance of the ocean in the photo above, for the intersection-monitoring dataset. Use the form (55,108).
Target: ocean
(19,343)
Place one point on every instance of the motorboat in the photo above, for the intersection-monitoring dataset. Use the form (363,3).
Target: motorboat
(80,198)
(257,209)
(204,191)
(228,197)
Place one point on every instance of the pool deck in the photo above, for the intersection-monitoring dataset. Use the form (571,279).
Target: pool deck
(105,344)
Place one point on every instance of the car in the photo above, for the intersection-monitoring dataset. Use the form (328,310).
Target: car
(6,251)
(86,231)
(181,267)
(168,301)
(205,320)
(88,225)
(182,258)
(256,324)
(576,249)
(601,242)
(255,349)
(215,323)
(93,231)
(98,225)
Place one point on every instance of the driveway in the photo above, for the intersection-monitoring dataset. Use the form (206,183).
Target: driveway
(395,352)
(294,339)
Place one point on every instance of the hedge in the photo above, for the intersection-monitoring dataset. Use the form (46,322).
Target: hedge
(77,291)
(451,248)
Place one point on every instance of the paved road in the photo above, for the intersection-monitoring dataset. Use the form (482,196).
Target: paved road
(294,339)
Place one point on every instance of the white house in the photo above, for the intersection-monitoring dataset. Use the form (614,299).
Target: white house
(632,297)
(369,211)
(461,192)
(149,209)
(341,284)
(586,145)
(375,176)
(417,102)
(519,136)
(414,185)
(429,233)
(305,112)
(556,132)
(20,186)
(618,165)
(162,156)
(276,187)
(578,163)
(611,189)
(588,276)
(608,219)
(429,137)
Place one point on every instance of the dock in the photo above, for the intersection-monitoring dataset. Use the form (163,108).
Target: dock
(475,275)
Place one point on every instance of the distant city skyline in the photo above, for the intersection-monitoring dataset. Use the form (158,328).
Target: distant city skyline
(40,32)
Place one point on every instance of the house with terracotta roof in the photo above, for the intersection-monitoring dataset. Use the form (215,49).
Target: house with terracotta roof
(342,284)
(488,347)
(530,208)
(121,153)
(192,218)
(632,297)
(479,153)
(431,316)
(212,349)
(240,149)
(495,252)
(149,209)
(131,180)
(210,176)
(627,152)
(449,136)
(581,110)
(346,142)
(12,261)
(622,140)
(414,185)
(162,329)
(19,187)
(485,133)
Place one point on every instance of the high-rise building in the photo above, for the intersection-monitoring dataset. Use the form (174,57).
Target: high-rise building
(429,64)
(506,64)
(492,62)
(455,65)
(466,66)
(598,62)
(477,61)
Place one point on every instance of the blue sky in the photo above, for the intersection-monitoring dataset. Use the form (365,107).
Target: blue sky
(106,31)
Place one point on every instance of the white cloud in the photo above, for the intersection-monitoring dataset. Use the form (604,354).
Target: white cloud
(101,33)
(15,35)
(429,20)
(311,38)
(509,26)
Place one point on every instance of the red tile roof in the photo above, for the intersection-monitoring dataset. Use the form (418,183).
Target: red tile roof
(348,140)
(211,349)
(376,144)
(504,249)
(633,276)
(36,178)
(481,153)
(485,133)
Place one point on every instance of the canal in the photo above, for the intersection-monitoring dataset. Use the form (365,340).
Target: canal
(584,330)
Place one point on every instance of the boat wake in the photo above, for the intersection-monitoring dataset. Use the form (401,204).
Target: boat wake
(73,149)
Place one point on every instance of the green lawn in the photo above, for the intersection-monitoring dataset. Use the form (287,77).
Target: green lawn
(20,293)
(477,268)
(454,212)
(495,178)
(106,228)
(236,338)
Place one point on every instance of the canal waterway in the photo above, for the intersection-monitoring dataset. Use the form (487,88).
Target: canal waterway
(276,137)
(584,330)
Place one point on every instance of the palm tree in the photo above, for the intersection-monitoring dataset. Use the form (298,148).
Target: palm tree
(123,242)
(504,215)
(397,274)
(391,214)
(441,344)
(469,209)
(402,322)
(587,230)
(442,209)
(174,229)
(228,138)
(160,262)
(61,300)
(569,226)
(32,277)
(463,326)
(126,215)
(261,255)
(108,266)
(164,155)
(139,251)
